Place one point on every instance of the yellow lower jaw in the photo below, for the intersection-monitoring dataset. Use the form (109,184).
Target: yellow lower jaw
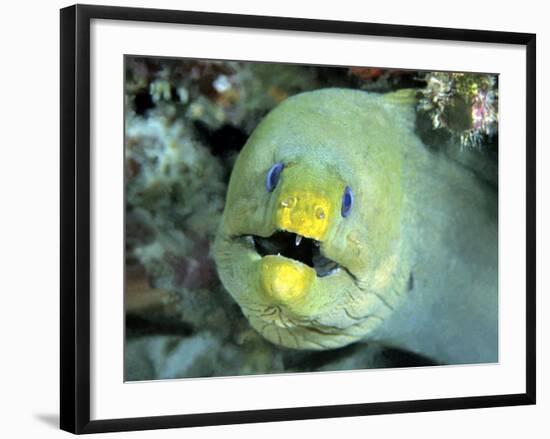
(285,281)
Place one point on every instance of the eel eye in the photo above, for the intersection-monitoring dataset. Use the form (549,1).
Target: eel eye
(347,201)
(273,175)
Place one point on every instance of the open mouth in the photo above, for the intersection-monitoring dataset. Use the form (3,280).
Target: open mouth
(297,247)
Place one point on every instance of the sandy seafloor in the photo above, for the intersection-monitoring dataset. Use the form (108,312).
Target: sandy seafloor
(185,122)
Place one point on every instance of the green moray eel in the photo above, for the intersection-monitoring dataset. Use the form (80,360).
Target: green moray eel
(340,225)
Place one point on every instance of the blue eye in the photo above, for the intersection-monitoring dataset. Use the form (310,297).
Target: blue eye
(273,175)
(347,201)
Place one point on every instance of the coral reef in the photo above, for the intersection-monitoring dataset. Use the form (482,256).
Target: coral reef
(463,104)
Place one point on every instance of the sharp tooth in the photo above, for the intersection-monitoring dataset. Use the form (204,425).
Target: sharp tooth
(298,240)
(249,239)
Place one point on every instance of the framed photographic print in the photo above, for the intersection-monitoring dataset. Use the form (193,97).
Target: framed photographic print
(340,214)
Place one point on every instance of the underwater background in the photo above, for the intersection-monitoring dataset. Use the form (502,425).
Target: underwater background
(185,123)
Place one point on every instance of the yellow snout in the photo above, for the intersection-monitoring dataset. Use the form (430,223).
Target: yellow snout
(305,213)
(285,281)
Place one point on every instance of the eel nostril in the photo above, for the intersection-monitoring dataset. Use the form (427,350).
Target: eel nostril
(289,203)
(319,212)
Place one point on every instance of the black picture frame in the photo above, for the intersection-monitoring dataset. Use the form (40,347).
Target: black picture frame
(75,217)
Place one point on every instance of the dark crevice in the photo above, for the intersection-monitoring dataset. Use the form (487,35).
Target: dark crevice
(361,356)
(309,361)
(137,326)
(143,102)
(396,357)
(222,141)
